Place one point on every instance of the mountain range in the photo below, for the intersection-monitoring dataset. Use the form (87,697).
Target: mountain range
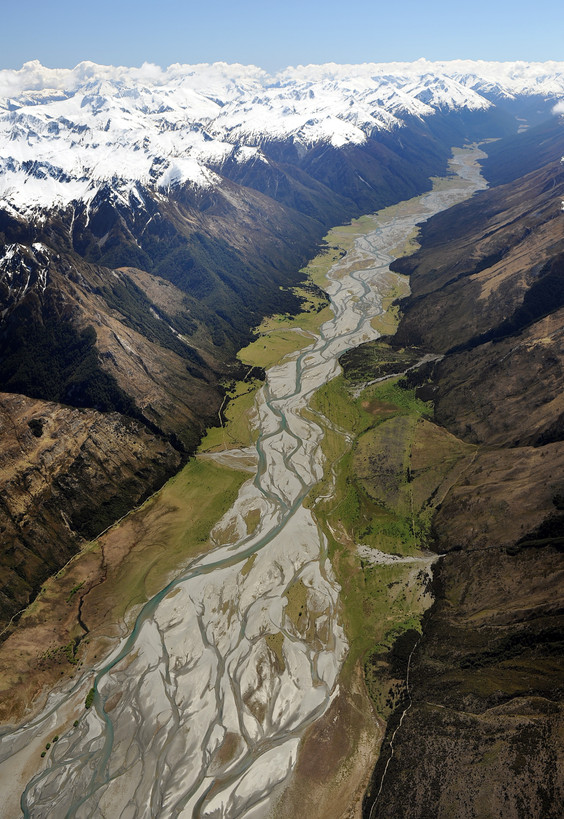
(65,135)
(149,220)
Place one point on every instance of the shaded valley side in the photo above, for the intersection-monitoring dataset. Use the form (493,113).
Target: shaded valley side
(481,724)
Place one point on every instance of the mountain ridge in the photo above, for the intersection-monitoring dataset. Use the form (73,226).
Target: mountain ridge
(481,722)
(160,128)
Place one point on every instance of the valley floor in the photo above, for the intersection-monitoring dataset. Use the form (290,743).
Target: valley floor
(266,646)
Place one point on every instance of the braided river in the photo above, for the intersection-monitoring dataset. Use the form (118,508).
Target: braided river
(200,710)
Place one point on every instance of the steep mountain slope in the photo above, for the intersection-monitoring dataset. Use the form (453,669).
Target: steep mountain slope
(128,341)
(66,473)
(481,724)
(149,219)
(501,262)
(517,155)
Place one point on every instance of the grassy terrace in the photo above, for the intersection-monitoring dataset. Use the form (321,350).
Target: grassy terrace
(282,334)
(380,492)
(237,429)
(110,579)
(168,530)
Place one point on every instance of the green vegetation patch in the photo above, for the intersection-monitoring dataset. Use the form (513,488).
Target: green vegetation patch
(275,643)
(381,469)
(373,501)
(334,402)
(158,537)
(272,346)
(204,491)
(398,288)
(237,428)
(336,244)
(382,602)
(317,268)
(55,655)
(296,608)
(380,492)
(226,534)
(404,400)
(355,506)
(314,310)
(285,333)
(180,518)
(75,590)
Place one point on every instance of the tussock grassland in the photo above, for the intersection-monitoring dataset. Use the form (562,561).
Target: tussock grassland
(110,579)
(380,491)
(237,428)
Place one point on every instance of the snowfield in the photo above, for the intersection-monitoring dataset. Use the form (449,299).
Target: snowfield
(65,133)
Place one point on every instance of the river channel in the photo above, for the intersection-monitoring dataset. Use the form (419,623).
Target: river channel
(200,710)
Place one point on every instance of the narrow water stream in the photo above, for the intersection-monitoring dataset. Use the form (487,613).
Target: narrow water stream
(199,712)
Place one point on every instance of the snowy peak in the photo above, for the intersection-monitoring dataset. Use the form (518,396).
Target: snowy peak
(22,268)
(65,133)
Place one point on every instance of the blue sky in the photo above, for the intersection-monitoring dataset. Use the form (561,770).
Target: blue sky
(273,35)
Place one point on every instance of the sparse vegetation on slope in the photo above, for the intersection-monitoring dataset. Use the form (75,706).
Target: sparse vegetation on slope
(481,736)
(103,585)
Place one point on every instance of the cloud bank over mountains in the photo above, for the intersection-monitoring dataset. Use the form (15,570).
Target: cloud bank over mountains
(64,133)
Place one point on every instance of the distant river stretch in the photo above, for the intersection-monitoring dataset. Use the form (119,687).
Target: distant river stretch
(199,712)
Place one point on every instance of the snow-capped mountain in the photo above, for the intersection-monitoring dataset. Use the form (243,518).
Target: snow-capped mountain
(64,134)
(150,218)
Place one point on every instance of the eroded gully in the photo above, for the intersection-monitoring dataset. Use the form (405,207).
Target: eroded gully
(199,712)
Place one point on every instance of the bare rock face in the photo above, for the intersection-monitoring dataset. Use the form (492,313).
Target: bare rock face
(66,474)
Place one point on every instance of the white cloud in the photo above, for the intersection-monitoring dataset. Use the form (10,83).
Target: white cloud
(558,108)
(33,76)
(94,124)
